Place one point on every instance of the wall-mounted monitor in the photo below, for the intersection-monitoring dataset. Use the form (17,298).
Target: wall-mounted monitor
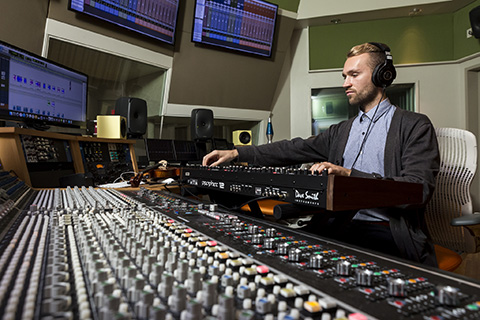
(39,92)
(154,18)
(243,25)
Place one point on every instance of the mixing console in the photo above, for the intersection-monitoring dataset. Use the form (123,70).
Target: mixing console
(85,253)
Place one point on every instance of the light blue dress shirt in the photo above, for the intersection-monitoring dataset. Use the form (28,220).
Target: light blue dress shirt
(365,148)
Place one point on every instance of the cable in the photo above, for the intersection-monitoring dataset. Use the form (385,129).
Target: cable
(368,128)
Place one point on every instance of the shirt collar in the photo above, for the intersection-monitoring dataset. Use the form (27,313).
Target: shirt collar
(383,107)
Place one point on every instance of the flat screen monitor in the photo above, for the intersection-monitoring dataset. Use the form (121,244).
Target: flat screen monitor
(39,92)
(178,151)
(243,25)
(153,18)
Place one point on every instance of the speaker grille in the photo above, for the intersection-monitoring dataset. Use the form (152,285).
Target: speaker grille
(202,124)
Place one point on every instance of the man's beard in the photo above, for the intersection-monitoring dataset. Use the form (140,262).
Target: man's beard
(361,99)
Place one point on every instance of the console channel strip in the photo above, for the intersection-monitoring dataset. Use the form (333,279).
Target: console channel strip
(86,253)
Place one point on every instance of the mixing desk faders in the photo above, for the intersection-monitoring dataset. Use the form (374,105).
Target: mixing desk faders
(85,253)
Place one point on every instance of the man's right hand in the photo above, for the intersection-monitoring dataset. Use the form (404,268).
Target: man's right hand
(218,157)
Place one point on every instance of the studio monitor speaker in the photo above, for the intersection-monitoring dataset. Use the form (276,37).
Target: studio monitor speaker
(111,127)
(135,111)
(242,137)
(201,124)
(475,21)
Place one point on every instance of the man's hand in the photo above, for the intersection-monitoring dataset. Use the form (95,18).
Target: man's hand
(332,169)
(218,157)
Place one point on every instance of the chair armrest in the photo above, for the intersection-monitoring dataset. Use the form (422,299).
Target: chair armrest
(467,220)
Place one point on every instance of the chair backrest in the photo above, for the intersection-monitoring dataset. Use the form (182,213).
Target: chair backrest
(451,199)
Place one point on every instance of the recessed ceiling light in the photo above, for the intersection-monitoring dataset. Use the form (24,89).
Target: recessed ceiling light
(415,12)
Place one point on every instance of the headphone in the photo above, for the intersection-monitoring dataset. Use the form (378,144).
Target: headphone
(384,73)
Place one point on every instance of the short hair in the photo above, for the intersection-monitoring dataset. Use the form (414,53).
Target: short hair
(377,55)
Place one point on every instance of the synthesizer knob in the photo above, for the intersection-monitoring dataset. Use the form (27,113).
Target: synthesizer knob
(448,296)
(396,287)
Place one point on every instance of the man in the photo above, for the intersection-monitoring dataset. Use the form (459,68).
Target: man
(381,142)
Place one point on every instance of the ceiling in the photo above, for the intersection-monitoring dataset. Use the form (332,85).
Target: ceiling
(327,12)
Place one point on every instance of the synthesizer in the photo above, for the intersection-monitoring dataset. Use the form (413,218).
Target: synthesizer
(301,187)
(87,253)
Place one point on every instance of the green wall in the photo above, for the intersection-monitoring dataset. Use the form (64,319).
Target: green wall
(419,39)
(290,5)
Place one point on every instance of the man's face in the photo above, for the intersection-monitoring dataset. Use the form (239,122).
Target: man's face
(358,85)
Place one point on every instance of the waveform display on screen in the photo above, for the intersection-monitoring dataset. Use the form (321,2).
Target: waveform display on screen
(154,18)
(244,25)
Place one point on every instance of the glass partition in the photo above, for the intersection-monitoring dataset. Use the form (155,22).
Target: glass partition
(330,105)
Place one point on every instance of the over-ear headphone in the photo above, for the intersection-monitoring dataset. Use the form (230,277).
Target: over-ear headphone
(384,73)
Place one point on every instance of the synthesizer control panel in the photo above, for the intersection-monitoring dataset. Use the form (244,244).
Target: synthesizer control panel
(301,187)
(86,253)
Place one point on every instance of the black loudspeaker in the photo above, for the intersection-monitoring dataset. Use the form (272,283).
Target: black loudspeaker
(384,73)
(135,111)
(475,21)
(202,124)
(242,137)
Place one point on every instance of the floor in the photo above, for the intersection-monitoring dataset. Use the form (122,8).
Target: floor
(470,266)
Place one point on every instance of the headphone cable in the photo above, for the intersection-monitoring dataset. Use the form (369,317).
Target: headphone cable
(368,128)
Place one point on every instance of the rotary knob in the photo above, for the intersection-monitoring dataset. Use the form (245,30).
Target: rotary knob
(316,261)
(282,248)
(343,268)
(253,229)
(448,296)
(271,232)
(364,277)
(269,243)
(396,287)
(294,254)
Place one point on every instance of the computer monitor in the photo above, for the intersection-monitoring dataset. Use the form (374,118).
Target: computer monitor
(153,18)
(173,151)
(39,92)
(242,25)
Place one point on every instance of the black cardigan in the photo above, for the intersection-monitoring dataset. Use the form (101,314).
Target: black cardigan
(411,154)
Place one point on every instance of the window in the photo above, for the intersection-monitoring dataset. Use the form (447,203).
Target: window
(330,105)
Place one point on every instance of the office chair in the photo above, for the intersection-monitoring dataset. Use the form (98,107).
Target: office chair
(451,203)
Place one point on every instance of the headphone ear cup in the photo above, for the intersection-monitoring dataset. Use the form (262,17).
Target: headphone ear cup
(384,74)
